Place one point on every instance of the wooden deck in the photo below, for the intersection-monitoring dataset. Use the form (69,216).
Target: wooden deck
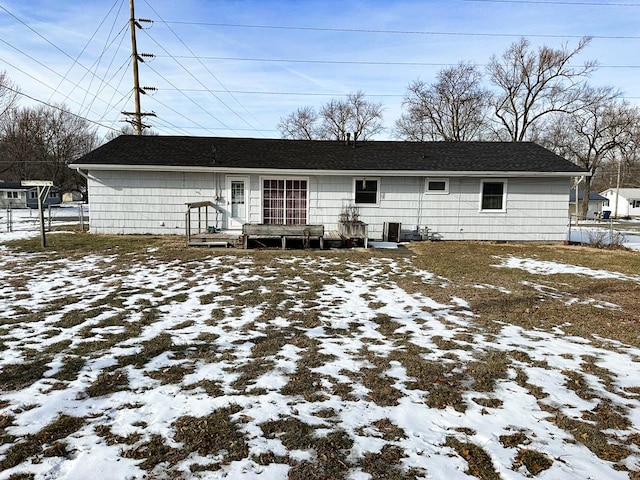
(219,239)
(235,239)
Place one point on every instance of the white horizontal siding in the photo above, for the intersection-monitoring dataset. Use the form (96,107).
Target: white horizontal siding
(145,202)
(154,202)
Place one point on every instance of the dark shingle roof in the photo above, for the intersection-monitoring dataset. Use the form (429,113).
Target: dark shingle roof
(253,153)
(592,195)
(12,186)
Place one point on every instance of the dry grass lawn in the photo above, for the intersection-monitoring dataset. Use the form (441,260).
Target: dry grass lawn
(125,319)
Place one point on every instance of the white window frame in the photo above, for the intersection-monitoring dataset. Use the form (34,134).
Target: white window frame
(285,179)
(504,195)
(436,179)
(367,179)
(13,195)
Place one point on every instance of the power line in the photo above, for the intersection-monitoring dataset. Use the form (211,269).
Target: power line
(56,107)
(555,2)
(75,61)
(77,85)
(102,54)
(207,69)
(302,94)
(399,32)
(42,65)
(190,99)
(199,81)
(347,62)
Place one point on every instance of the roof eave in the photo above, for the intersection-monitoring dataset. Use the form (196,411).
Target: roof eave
(311,171)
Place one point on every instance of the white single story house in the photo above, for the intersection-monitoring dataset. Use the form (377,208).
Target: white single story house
(454,190)
(627,203)
(16,195)
(596,202)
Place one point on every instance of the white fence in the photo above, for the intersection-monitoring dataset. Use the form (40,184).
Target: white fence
(27,219)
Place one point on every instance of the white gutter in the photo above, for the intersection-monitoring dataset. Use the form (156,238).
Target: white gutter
(307,171)
(81,173)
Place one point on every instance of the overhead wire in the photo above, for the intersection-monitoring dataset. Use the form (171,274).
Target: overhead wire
(399,32)
(75,61)
(302,94)
(42,65)
(191,100)
(351,62)
(556,2)
(102,53)
(38,62)
(208,71)
(232,92)
(198,80)
(55,107)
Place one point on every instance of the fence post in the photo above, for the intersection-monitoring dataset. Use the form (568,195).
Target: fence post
(81,217)
(611,231)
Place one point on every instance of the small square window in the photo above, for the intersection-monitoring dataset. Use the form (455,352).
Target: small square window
(437,185)
(366,191)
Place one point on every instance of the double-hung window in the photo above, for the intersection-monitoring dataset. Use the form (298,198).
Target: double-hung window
(493,196)
(366,191)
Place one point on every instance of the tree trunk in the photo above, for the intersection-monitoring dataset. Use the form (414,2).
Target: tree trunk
(584,205)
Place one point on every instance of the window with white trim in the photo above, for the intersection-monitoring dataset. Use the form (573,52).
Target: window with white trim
(437,185)
(493,195)
(284,202)
(13,195)
(635,203)
(366,191)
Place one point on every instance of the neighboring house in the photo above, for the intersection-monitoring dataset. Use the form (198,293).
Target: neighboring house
(596,202)
(456,190)
(628,203)
(15,195)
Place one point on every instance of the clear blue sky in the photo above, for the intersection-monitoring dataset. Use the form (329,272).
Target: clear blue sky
(234,68)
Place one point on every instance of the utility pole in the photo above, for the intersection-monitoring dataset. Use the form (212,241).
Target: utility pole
(137,122)
(135,58)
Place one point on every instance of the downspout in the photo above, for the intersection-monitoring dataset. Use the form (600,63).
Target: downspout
(82,174)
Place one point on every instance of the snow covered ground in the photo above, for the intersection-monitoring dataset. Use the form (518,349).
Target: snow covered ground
(310,366)
(600,233)
(20,223)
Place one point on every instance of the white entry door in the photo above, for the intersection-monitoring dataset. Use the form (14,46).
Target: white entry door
(236,202)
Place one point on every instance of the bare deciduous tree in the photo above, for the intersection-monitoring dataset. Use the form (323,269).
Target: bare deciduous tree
(454,108)
(366,117)
(40,142)
(532,85)
(128,130)
(337,118)
(8,94)
(299,125)
(594,132)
